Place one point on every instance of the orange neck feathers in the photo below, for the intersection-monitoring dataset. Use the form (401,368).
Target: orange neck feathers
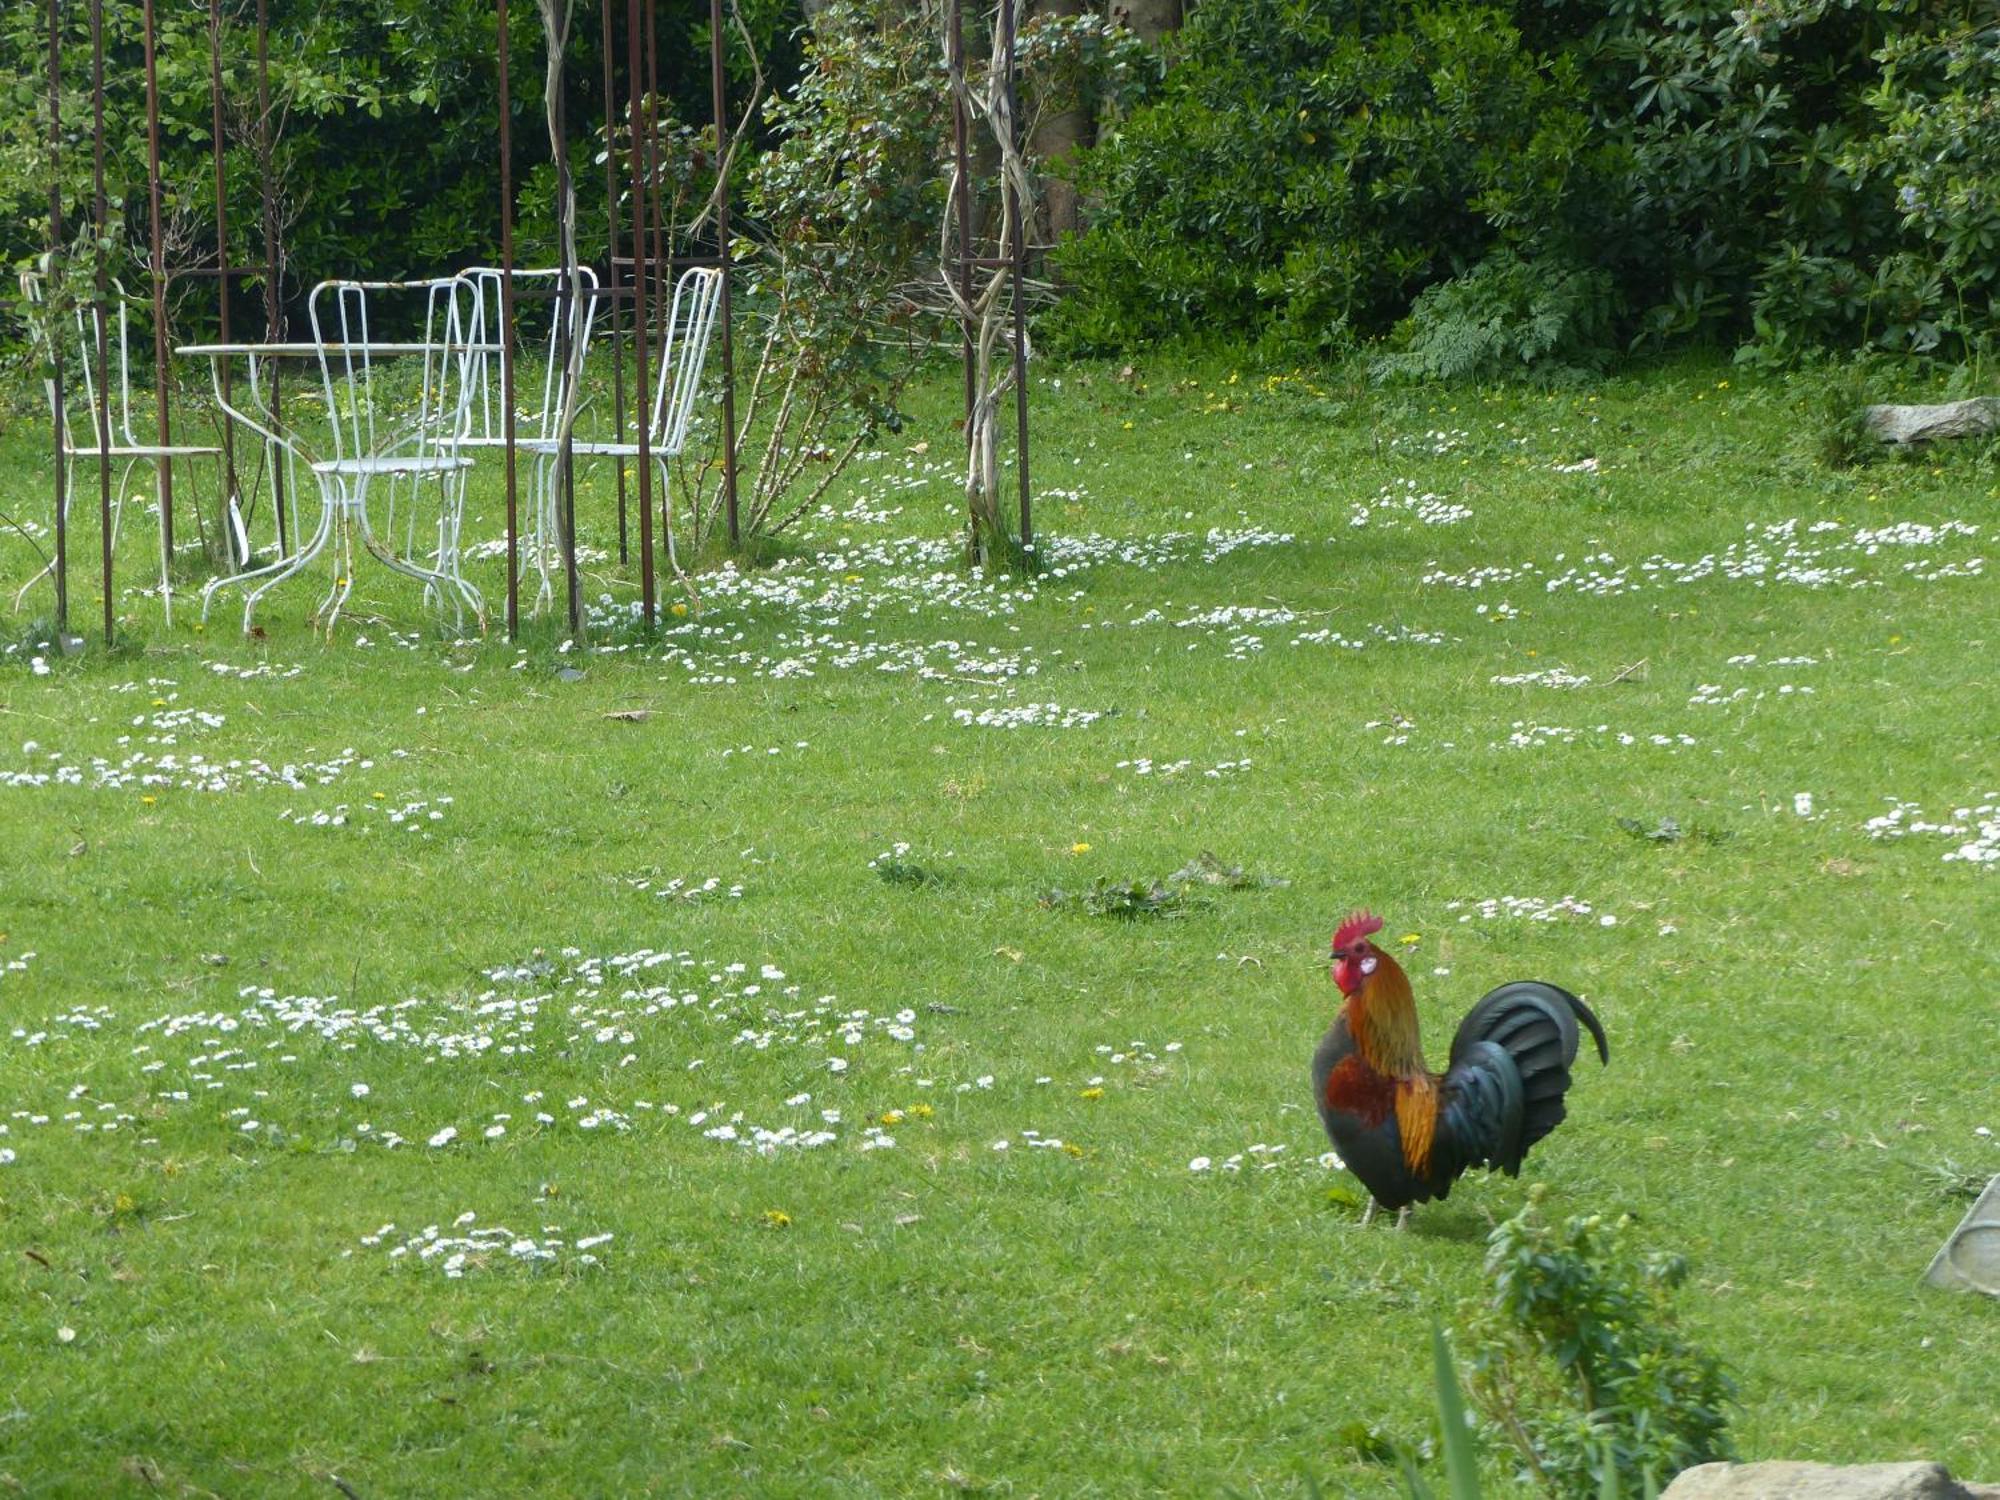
(1382,1017)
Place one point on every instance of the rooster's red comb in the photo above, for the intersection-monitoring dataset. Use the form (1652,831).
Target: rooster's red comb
(1358,925)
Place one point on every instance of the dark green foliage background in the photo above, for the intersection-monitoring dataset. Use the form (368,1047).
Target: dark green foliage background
(1492,186)
(1787,175)
(387,124)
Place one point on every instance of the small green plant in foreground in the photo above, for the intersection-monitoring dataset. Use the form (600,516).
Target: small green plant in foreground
(1578,1360)
(1460,1454)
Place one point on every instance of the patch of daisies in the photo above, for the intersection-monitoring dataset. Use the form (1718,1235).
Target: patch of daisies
(465,1246)
(1973,828)
(1794,553)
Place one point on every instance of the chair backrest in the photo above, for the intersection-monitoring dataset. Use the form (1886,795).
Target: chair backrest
(354,324)
(577,316)
(82,356)
(690,321)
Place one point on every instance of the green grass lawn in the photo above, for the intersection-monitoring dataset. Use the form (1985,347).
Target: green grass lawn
(313,957)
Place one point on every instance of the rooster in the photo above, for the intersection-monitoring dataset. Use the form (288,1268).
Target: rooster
(1409,1133)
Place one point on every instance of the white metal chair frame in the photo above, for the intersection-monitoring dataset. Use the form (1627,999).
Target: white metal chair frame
(683,352)
(124,445)
(424,449)
(541,436)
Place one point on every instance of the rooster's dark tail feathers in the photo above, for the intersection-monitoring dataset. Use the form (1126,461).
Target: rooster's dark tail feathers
(1535,1024)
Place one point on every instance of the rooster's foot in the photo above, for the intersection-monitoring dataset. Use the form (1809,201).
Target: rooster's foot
(1403,1217)
(1368,1214)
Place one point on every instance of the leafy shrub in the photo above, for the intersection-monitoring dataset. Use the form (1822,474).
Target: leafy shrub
(1579,1362)
(1310,165)
(840,216)
(1937,143)
(1505,317)
(1812,173)
(1790,175)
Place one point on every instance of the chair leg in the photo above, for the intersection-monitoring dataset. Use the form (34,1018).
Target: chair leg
(163,470)
(274,573)
(451,520)
(343,568)
(48,569)
(440,583)
(667,518)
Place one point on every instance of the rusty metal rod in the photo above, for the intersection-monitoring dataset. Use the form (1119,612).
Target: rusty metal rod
(633,79)
(962,203)
(656,212)
(565,204)
(101,219)
(715,50)
(1019,251)
(53,291)
(611,250)
(656,218)
(273,263)
(163,470)
(507,331)
(218,150)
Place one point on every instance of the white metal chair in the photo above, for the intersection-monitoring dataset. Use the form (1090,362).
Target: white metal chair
(383,431)
(537,427)
(124,445)
(690,322)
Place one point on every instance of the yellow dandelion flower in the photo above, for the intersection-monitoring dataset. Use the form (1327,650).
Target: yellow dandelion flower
(1410,938)
(1070,1148)
(1091,1094)
(679,610)
(921,1111)
(149,800)
(892,1117)
(1079,848)
(777,1218)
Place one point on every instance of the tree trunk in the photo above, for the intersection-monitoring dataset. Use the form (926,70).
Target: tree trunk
(1057,135)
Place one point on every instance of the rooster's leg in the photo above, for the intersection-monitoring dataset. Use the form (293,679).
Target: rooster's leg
(1368,1213)
(1403,1217)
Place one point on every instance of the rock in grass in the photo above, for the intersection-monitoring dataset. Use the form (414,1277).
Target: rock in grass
(1799,1481)
(1923,424)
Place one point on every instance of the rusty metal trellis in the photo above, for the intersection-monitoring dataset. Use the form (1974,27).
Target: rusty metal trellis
(57,308)
(635,277)
(639,268)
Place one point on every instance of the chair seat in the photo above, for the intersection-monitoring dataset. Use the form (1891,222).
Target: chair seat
(596,450)
(118,450)
(409,463)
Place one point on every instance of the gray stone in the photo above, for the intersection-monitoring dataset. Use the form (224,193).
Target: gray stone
(1922,424)
(1970,1259)
(1799,1481)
